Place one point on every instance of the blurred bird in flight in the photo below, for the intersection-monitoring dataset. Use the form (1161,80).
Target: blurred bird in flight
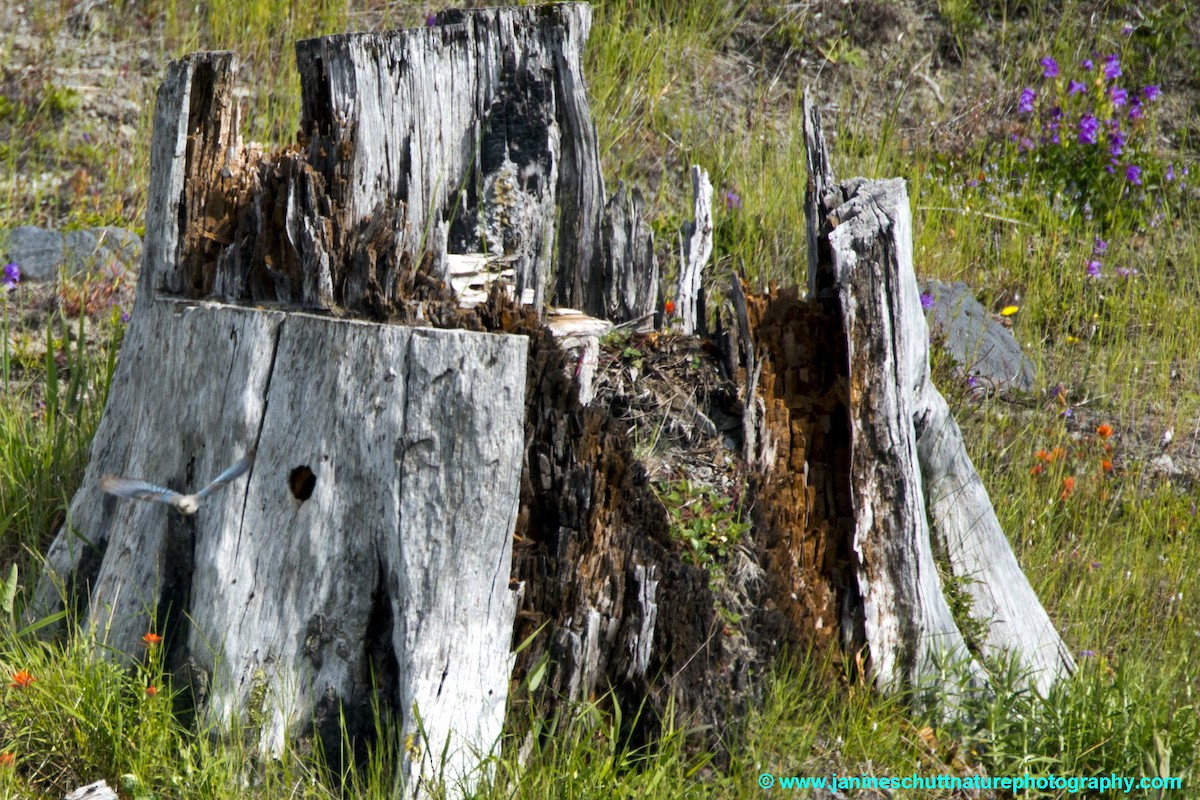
(184,503)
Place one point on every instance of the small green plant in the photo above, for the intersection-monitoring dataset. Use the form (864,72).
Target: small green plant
(707,523)
(958,596)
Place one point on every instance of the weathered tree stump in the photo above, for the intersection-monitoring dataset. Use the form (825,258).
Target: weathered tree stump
(912,488)
(367,554)
(425,498)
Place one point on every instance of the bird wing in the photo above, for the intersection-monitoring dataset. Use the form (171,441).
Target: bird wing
(233,473)
(138,490)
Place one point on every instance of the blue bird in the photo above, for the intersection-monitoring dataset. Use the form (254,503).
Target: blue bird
(184,503)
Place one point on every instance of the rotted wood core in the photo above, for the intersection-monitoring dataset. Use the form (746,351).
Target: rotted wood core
(803,514)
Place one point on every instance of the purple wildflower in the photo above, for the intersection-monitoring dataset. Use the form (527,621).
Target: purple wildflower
(124,317)
(1093,268)
(972,382)
(1127,30)
(1170,176)
(430,19)
(1088,654)
(1133,174)
(1112,67)
(1089,126)
(1099,247)
(732,201)
(926,301)
(1025,104)
(1075,87)
(1116,142)
(1067,413)
(1125,272)
(1135,111)
(1049,67)
(1151,92)
(1086,64)
(12,275)
(1119,96)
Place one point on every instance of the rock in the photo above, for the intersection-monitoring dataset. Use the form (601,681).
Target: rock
(979,344)
(123,244)
(41,253)
(108,251)
(38,252)
(80,250)
(1165,465)
(93,791)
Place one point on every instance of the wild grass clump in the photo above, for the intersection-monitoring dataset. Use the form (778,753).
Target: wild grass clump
(1100,722)
(54,383)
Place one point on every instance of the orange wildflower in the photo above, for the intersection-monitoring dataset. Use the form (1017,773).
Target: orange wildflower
(1068,487)
(151,691)
(1036,469)
(1104,431)
(1042,455)
(7,760)
(669,307)
(152,639)
(22,680)
(1057,453)
(1106,465)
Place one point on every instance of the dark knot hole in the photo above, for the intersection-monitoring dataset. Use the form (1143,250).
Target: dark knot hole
(302,481)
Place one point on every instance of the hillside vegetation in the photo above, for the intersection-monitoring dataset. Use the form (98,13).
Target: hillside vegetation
(1050,150)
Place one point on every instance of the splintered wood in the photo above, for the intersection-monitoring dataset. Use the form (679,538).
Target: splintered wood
(408,155)
(911,482)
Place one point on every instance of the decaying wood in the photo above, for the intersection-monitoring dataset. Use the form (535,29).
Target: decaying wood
(907,623)
(697,242)
(472,277)
(820,181)
(798,448)
(366,556)
(912,483)
(599,568)
(469,136)
(627,281)
(964,525)
(237,590)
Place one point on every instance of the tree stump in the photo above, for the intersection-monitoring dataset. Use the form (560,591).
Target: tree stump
(367,554)
(429,490)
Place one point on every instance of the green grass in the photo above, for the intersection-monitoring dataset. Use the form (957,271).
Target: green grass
(1115,560)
